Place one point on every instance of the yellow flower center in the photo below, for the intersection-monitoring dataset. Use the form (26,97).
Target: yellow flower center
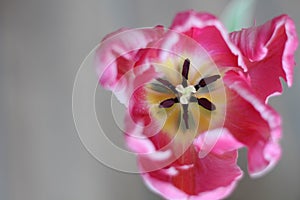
(187,101)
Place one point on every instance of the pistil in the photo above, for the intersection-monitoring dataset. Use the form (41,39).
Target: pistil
(185,93)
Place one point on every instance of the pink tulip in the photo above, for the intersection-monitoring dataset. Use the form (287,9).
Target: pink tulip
(195,94)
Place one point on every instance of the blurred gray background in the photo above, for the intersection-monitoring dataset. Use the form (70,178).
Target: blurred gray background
(42,44)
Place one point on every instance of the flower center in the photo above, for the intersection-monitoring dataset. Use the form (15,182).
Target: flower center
(186,92)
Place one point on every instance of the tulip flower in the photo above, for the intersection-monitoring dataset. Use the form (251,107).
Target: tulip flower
(195,94)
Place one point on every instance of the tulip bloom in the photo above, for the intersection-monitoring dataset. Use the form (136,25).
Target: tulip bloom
(195,94)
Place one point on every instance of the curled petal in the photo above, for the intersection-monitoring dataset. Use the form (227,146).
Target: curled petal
(252,123)
(269,49)
(116,56)
(209,32)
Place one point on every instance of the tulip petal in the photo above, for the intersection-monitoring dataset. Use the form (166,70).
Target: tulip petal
(197,179)
(269,49)
(252,123)
(116,56)
(209,32)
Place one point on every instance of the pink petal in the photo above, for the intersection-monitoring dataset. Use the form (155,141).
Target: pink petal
(270,50)
(138,107)
(116,56)
(197,180)
(209,32)
(218,141)
(252,123)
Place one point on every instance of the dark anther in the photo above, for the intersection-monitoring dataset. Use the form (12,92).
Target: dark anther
(185,115)
(206,81)
(168,103)
(185,72)
(167,84)
(205,103)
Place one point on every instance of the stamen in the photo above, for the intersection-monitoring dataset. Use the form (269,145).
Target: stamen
(185,72)
(168,103)
(185,115)
(167,84)
(206,81)
(205,103)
